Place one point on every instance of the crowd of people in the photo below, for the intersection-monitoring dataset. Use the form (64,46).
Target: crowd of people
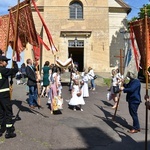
(48,85)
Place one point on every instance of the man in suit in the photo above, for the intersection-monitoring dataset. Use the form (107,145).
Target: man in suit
(133,98)
(32,84)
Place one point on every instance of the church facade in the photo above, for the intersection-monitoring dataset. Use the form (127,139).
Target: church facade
(86,30)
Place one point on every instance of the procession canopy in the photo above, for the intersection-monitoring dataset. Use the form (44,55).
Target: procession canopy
(26,28)
(4,31)
(139,29)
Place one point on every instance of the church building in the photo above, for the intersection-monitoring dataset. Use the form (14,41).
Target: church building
(87,30)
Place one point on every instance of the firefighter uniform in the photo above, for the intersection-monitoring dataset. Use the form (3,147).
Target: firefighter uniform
(5,103)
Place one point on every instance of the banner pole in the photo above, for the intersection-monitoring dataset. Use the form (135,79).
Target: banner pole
(14,45)
(146,67)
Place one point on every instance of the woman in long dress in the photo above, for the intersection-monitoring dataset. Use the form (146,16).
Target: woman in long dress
(45,70)
(53,87)
(77,96)
(85,85)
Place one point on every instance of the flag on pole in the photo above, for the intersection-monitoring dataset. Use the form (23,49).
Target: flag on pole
(36,49)
(133,57)
(26,28)
(139,31)
(53,48)
(4,24)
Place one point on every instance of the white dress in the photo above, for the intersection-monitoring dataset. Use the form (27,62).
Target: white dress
(59,85)
(85,86)
(75,100)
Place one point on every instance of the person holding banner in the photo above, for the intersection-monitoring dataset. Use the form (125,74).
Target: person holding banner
(133,98)
(5,102)
(146,97)
(32,83)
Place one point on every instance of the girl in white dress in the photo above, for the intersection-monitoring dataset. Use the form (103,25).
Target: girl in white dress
(77,96)
(85,85)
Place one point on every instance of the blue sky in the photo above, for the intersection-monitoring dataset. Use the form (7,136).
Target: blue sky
(135,5)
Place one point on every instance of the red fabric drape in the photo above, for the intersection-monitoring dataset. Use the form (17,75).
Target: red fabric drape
(53,48)
(139,31)
(36,49)
(26,27)
(4,23)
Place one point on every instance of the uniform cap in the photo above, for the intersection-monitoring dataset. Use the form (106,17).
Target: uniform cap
(3,58)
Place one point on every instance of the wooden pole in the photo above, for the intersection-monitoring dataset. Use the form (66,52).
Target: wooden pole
(146,67)
(54,59)
(15,44)
(16,29)
(41,52)
(37,74)
(121,61)
(20,8)
(121,71)
(8,29)
(116,106)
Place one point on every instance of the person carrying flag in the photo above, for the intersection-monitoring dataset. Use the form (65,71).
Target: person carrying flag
(133,98)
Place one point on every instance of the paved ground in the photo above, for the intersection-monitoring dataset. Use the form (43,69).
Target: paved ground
(92,129)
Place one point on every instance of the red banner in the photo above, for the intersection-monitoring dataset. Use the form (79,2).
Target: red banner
(52,45)
(139,31)
(4,24)
(26,27)
(36,49)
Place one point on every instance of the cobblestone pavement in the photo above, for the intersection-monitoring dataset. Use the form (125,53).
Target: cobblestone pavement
(92,129)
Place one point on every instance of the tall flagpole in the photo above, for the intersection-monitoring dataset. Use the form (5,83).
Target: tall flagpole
(146,67)
(8,29)
(16,29)
(14,44)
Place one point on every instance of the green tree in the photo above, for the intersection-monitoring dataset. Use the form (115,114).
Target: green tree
(141,13)
(146,8)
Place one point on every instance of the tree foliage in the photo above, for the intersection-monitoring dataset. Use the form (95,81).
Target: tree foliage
(141,13)
(143,10)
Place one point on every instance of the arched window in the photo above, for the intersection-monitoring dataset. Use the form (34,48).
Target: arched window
(76,10)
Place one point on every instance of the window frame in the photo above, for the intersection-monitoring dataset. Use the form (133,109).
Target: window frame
(76,13)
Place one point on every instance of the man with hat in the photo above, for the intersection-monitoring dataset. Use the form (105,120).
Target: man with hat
(5,103)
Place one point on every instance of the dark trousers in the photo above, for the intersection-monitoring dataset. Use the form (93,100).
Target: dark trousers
(133,108)
(33,95)
(6,110)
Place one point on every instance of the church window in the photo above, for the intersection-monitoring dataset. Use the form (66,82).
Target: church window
(76,10)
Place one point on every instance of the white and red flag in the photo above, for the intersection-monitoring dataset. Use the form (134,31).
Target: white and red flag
(133,57)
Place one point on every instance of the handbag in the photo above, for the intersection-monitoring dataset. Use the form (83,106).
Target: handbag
(95,77)
(116,89)
(109,96)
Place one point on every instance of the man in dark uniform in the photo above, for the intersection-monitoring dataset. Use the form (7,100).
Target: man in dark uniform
(5,103)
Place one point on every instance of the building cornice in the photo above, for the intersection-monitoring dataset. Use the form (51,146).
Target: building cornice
(75,33)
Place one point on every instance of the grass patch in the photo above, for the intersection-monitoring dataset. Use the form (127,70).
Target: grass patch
(107,81)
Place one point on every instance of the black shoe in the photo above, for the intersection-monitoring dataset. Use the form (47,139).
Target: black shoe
(10,133)
(1,133)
